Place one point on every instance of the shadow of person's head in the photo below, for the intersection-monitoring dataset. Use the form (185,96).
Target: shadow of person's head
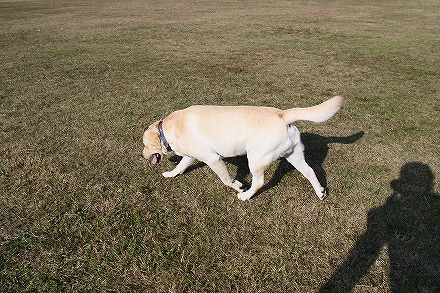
(409,225)
(415,179)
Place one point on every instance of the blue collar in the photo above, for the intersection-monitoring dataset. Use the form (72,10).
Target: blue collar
(162,137)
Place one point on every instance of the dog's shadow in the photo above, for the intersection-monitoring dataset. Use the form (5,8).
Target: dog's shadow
(315,150)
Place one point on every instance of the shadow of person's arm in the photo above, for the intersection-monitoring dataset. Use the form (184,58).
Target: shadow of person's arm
(357,263)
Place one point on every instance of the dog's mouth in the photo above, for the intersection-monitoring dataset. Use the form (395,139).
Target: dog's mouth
(155,158)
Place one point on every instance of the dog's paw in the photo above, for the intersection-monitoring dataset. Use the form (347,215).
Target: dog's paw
(169,174)
(323,193)
(237,185)
(244,195)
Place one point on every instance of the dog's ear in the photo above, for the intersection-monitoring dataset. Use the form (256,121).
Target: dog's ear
(153,135)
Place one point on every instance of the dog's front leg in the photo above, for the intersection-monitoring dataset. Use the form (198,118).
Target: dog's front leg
(184,163)
(219,167)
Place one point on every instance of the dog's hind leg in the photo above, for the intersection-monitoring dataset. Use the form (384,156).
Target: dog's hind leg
(219,167)
(184,163)
(298,161)
(257,183)
(257,166)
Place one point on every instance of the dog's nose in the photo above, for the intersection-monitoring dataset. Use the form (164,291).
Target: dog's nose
(143,155)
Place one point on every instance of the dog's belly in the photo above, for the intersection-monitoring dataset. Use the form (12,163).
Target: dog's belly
(228,152)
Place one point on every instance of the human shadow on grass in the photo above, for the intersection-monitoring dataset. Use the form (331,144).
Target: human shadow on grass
(409,225)
(316,149)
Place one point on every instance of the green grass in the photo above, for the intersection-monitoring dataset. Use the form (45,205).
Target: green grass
(80,211)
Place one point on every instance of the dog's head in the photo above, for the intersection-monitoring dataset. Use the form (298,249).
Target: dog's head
(152,145)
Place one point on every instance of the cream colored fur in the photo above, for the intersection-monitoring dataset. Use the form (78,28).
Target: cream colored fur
(210,133)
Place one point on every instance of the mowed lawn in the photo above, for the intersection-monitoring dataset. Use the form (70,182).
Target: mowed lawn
(81,211)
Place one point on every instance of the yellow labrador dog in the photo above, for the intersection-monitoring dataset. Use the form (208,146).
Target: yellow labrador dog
(210,133)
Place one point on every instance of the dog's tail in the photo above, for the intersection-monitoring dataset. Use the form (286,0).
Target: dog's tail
(318,113)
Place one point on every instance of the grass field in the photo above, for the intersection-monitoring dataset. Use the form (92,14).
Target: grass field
(81,211)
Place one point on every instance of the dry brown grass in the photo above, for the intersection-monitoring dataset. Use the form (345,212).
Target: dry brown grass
(81,211)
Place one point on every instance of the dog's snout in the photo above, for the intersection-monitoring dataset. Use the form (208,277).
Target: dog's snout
(145,154)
